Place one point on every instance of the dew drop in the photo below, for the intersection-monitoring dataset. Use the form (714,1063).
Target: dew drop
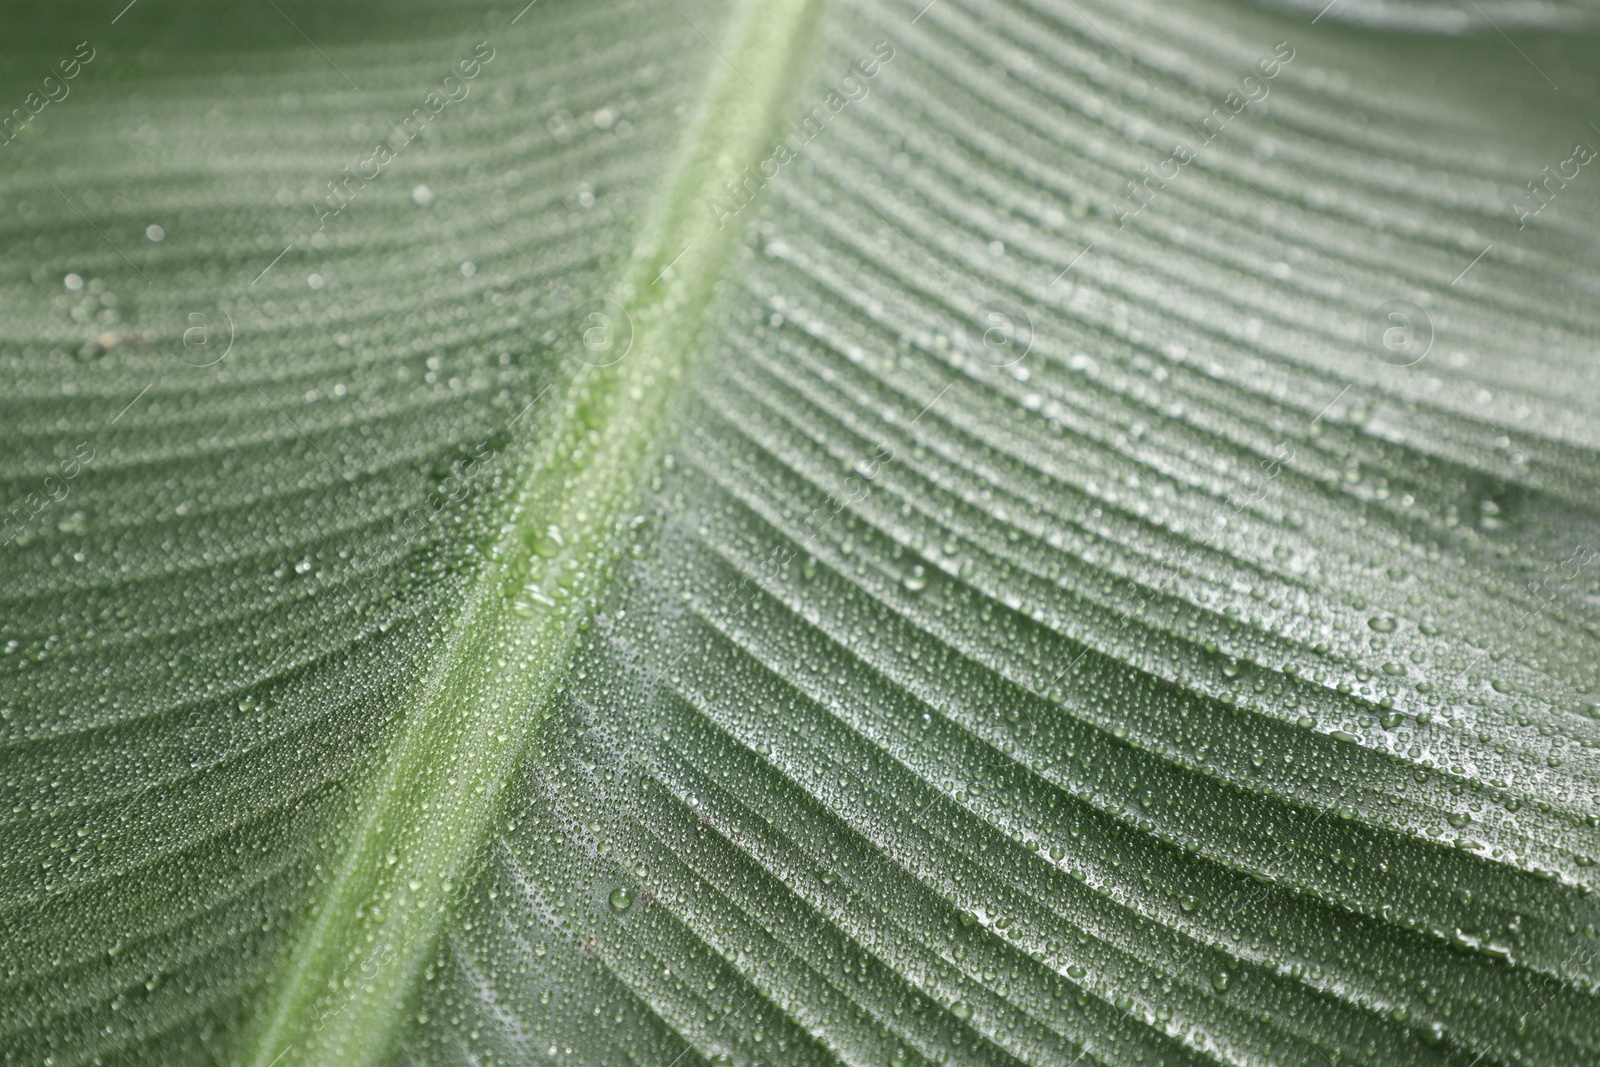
(916,579)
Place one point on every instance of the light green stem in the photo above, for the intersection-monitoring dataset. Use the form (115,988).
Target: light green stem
(426,815)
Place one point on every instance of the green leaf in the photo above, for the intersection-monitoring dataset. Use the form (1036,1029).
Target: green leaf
(789,532)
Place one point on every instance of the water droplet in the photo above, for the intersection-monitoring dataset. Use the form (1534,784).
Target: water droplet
(533,602)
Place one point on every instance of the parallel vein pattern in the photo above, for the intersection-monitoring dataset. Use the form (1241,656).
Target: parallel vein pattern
(1186,690)
(1054,630)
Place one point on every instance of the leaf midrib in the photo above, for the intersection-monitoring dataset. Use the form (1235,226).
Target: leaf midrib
(422,818)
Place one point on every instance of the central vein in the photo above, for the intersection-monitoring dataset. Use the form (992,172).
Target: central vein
(426,815)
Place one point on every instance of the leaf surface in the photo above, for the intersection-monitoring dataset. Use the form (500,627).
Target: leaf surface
(973,586)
